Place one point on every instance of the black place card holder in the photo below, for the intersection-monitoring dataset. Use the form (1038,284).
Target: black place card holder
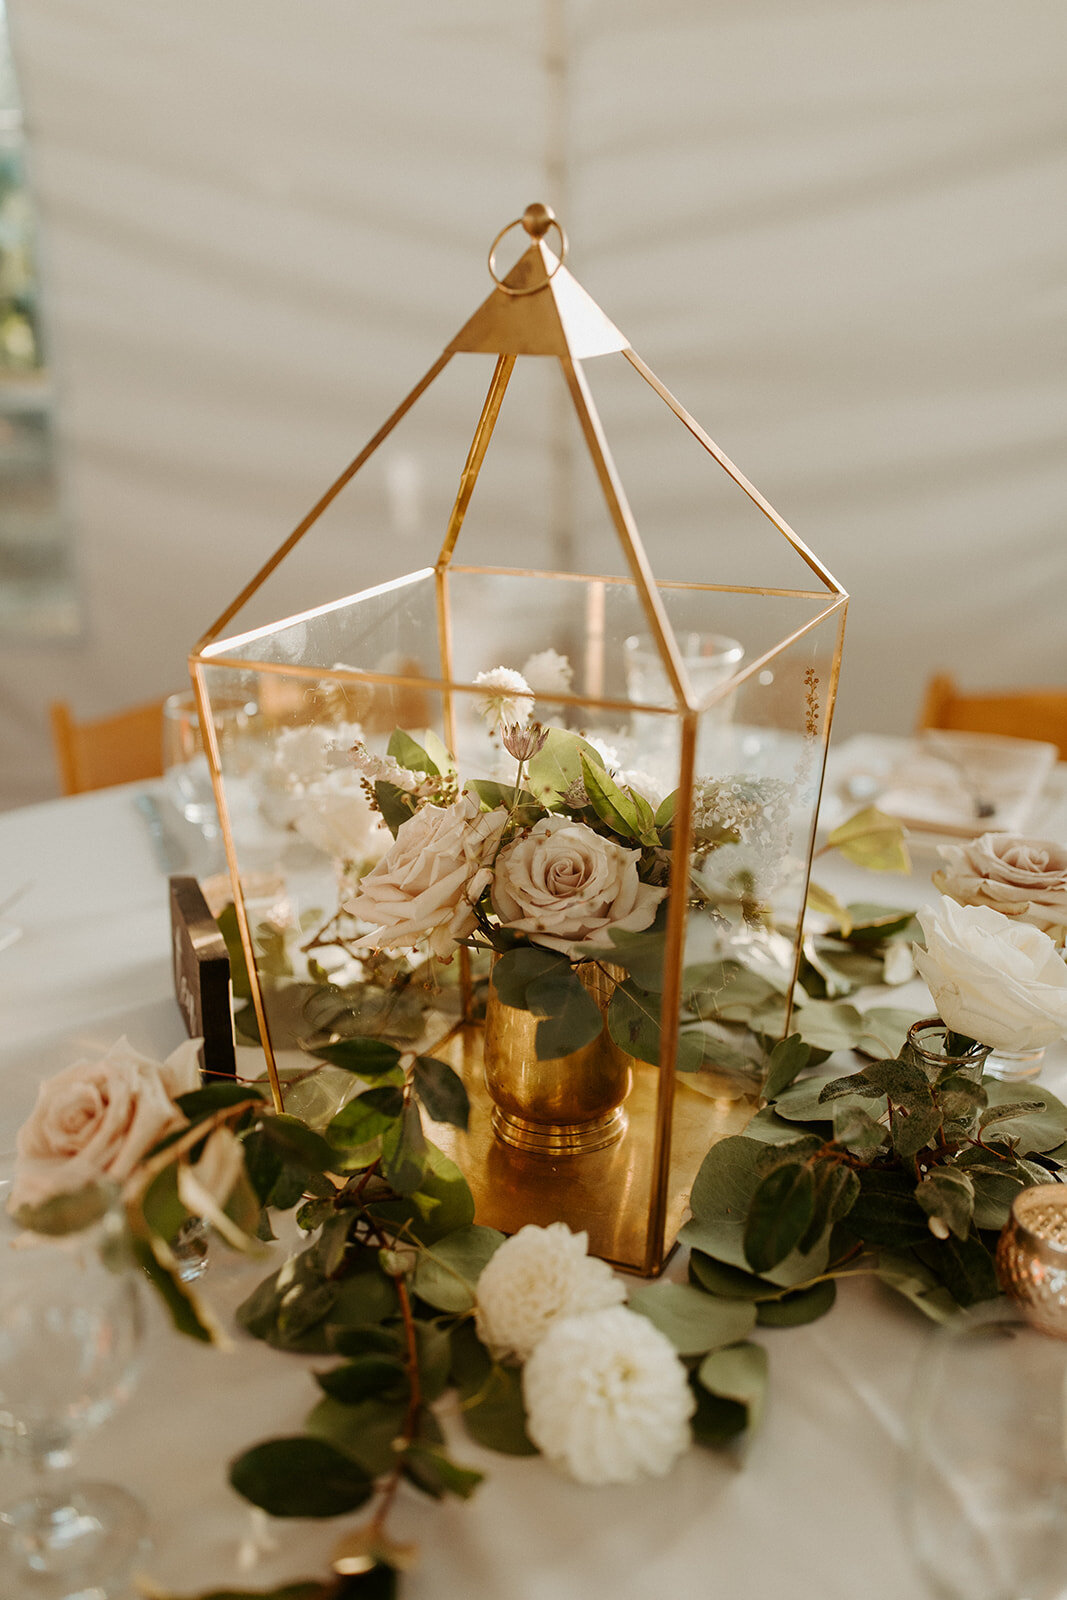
(202,985)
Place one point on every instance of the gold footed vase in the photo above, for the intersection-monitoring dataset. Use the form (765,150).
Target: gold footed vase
(565,1106)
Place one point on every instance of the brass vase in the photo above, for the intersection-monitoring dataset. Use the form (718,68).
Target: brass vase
(567,1105)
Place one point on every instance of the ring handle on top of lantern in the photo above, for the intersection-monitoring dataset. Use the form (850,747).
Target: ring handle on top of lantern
(537,219)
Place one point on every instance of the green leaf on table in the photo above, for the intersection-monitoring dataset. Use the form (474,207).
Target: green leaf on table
(720,1201)
(490,1396)
(366,1377)
(948,1194)
(690,1318)
(836,1191)
(300,1477)
(568,1015)
(434,1352)
(885,1031)
(441,1091)
(828,1024)
(407,752)
(737,1373)
(436,1474)
(1039,1128)
(363,1432)
(908,1277)
(403,1155)
(728,1283)
(964,1266)
(446,1273)
(872,839)
(442,1203)
(902,1081)
(366,1058)
(558,765)
(788,1058)
(769,1128)
(779,1214)
(828,905)
(365,1117)
(804,1101)
(794,1310)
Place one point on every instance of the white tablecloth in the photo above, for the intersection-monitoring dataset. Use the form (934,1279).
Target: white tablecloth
(805,1509)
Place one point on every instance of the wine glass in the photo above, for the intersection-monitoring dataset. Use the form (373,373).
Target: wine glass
(185,763)
(985,1478)
(70,1330)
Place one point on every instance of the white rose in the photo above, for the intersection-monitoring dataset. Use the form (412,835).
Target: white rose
(339,820)
(536,1277)
(96,1119)
(562,883)
(427,884)
(607,1399)
(993,979)
(1024,878)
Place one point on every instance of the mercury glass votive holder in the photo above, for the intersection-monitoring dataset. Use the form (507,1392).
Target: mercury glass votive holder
(1032,1256)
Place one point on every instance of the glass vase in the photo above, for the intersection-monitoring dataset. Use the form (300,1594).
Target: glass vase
(930,1042)
(566,1105)
(1015,1066)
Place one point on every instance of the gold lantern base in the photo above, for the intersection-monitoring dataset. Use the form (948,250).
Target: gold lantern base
(604,1192)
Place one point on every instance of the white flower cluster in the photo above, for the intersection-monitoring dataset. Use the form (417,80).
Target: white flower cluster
(607,1399)
(757,811)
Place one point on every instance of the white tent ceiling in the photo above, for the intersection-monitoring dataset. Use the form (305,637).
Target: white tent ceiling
(836,228)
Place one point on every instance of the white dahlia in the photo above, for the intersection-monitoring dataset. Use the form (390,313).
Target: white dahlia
(506,697)
(535,1278)
(607,1399)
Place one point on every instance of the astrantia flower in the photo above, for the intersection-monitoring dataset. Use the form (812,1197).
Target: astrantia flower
(607,1399)
(534,1279)
(548,673)
(507,697)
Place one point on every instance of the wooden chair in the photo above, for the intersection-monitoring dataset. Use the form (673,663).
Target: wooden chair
(107,750)
(1021,714)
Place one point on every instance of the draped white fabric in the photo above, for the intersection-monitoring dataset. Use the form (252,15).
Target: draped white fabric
(835,228)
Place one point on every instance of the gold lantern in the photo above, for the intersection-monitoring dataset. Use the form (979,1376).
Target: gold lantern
(692,714)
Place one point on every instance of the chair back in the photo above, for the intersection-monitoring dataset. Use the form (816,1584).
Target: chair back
(108,750)
(1021,714)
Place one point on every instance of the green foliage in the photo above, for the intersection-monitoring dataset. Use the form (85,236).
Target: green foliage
(558,765)
(300,1477)
(490,1395)
(447,1273)
(693,1322)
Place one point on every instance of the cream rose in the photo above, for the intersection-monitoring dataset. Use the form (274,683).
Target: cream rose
(96,1119)
(427,884)
(562,883)
(1024,878)
(340,821)
(994,979)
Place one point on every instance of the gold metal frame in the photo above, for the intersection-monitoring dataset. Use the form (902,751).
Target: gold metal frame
(538,309)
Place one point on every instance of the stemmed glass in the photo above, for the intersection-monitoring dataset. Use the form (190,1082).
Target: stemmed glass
(985,1476)
(70,1330)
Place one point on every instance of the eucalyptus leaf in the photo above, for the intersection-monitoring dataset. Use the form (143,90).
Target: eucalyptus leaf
(779,1214)
(828,1025)
(300,1477)
(803,1101)
(788,1058)
(364,1432)
(914,1130)
(794,1310)
(885,1031)
(365,1118)
(1041,1128)
(886,1211)
(857,1130)
(212,1097)
(366,1377)
(491,1404)
(916,1283)
(446,1275)
(827,903)
(872,839)
(728,1283)
(516,969)
(720,1200)
(366,1058)
(640,954)
(690,1318)
(68,1212)
(964,1266)
(441,1091)
(404,1152)
(437,1474)
(948,1194)
(737,1373)
(568,1015)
